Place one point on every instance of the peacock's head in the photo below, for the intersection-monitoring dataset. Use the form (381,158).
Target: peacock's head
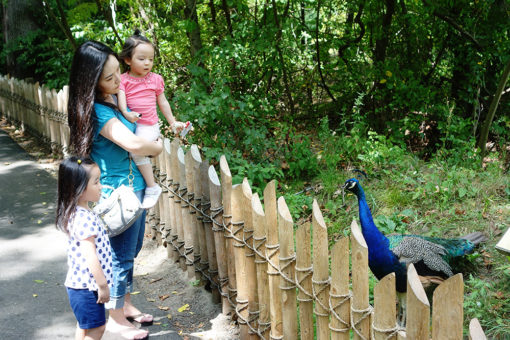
(352,185)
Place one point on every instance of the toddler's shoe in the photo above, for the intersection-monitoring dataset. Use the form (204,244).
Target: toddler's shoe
(151,196)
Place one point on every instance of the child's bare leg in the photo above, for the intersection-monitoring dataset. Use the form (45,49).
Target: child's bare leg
(148,176)
(79,334)
(94,333)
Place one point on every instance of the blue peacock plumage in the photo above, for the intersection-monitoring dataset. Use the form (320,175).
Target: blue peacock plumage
(431,256)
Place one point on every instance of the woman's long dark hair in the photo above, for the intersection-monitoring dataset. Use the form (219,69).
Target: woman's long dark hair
(87,67)
(73,177)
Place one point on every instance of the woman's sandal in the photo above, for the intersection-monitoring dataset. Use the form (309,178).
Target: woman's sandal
(141,316)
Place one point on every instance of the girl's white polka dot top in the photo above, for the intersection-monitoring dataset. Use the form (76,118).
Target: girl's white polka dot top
(84,224)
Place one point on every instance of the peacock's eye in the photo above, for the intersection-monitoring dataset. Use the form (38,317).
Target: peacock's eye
(352,185)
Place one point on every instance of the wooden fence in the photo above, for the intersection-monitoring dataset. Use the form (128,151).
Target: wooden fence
(265,272)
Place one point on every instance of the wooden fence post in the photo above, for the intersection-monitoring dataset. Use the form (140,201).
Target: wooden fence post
(158,221)
(304,271)
(226,190)
(476,331)
(163,206)
(320,279)
(53,124)
(259,246)
(219,237)
(272,256)
(448,313)
(169,198)
(40,117)
(359,306)
(66,132)
(251,272)
(339,293)
(186,217)
(287,258)
(205,207)
(385,320)
(178,234)
(240,258)
(191,167)
(418,308)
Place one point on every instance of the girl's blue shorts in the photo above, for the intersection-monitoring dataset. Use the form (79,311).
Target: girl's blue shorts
(88,312)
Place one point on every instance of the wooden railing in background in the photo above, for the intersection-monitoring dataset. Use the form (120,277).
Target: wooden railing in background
(263,269)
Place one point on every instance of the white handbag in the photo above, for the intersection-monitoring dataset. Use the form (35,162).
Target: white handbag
(121,209)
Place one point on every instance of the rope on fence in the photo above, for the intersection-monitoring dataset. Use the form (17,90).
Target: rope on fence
(273,249)
(284,263)
(392,331)
(257,243)
(365,313)
(345,298)
(322,285)
(308,272)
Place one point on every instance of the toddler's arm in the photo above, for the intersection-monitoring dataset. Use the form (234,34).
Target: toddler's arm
(132,116)
(166,110)
(88,248)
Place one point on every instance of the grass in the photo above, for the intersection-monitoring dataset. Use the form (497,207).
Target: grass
(441,197)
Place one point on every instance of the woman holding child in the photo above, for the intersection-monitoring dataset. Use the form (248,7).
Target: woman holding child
(100,130)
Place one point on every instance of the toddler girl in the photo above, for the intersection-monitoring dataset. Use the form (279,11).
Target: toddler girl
(140,90)
(89,256)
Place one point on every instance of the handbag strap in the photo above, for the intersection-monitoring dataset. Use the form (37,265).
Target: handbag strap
(131,177)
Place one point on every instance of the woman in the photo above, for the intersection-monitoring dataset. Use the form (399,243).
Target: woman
(100,130)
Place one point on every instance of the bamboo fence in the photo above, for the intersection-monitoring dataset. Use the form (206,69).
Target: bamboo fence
(266,272)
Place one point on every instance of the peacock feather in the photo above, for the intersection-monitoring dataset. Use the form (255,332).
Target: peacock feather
(431,256)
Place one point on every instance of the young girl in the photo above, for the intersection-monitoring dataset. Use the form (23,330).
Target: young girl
(89,254)
(140,90)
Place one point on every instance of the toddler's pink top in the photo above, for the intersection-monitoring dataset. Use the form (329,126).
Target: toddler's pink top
(141,94)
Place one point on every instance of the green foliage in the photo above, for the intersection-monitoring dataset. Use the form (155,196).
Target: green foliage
(49,58)
(396,223)
(82,13)
(299,204)
(301,160)
(486,301)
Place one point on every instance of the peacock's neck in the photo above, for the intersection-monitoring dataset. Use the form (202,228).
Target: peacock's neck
(369,229)
(378,245)
(381,259)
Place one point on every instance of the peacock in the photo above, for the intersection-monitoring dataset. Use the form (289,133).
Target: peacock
(432,257)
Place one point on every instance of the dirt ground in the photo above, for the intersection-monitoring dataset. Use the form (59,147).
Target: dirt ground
(163,289)
(188,309)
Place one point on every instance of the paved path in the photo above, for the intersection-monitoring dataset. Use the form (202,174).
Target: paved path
(33,264)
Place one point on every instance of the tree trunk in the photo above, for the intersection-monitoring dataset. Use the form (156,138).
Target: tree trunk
(282,61)
(484,134)
(109,18)
(18,21)
(226,10)
(62,21)
(190,12)
(382,41)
